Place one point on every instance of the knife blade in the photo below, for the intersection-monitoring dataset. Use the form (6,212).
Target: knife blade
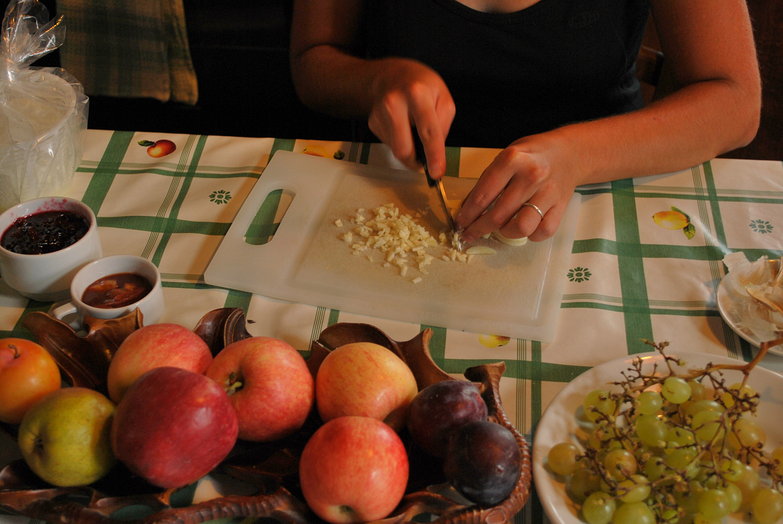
(439,190)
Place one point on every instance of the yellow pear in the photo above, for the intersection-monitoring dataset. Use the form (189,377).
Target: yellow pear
(64,437)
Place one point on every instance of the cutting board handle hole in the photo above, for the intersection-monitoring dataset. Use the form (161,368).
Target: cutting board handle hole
(267,219)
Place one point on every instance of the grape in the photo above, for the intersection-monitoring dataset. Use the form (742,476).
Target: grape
(654,468)
(582,483)
(604,437)
(633,513)
(744,392)
(733,496)
(649,402)
(634,489)
(696,406)
(713,504)
(620,463)
(731,469)
(746,433)
(748,483)
(597,404)
(670,448)
(679,458)
(562,458)
(767,506)
(679,437)
(651,430)
(707,425)
(598,508)
(676,390)
(699,391)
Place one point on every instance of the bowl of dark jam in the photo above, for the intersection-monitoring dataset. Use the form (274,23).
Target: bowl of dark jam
(43,243)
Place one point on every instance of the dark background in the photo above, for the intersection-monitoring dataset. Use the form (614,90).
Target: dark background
(240,53)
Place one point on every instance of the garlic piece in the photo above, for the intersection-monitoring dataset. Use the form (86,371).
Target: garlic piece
(480,250)
(500,237)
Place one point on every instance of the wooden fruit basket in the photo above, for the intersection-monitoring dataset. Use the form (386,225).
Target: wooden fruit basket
(271,469)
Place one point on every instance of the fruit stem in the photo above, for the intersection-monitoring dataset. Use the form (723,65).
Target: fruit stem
(15,350)
(233,383)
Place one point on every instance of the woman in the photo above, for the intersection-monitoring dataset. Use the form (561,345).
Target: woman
(551,81)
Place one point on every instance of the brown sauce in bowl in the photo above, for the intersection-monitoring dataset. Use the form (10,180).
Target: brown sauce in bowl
(117,290)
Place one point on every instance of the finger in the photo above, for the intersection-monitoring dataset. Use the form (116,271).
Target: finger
(548,226)
(391,124)
(497,194)
(428,127)
(525,221)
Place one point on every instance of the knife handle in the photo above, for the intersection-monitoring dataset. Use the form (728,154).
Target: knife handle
(421,158)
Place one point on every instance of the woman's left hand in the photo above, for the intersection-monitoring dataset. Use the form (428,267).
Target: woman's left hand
(524,192)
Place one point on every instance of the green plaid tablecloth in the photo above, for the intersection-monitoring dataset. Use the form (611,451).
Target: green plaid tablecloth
(628,279)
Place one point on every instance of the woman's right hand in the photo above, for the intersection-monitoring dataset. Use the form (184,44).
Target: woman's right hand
(409,96)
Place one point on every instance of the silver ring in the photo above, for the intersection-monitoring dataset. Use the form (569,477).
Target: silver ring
(538,209)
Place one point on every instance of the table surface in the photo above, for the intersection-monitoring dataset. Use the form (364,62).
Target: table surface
(628,278)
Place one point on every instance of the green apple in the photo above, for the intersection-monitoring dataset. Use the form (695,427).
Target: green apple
(64,437)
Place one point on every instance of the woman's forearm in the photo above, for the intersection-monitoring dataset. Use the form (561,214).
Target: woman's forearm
(692,125)
(334,82)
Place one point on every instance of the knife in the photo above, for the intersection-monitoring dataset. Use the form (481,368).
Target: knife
(456,242)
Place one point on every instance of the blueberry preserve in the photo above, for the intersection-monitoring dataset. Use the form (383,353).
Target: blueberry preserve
(44,232)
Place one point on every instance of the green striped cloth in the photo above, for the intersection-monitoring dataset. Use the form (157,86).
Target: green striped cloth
(133,48)
(630,276)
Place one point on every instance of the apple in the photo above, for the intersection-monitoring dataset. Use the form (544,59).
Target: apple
(269,384)
(27,373)
(173,426)
(364,379)
(64,437)
(155,346)
(353,469)
(158,148)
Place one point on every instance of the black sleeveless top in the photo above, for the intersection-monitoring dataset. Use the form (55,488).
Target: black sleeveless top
(516,74)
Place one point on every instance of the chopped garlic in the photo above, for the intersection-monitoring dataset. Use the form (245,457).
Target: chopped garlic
(400,240)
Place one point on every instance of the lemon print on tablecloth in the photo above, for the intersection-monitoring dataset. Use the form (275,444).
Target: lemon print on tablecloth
(493,341)
(675,219)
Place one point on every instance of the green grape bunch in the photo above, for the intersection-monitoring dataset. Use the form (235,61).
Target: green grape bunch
(672,446)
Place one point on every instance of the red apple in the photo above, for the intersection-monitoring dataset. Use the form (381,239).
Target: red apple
(158,148)
(269,385)
(154,346)
(364,379)
(27,373)
(353,469)
(173,426)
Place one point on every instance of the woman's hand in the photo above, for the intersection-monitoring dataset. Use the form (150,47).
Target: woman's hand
(406,94)
(524,192)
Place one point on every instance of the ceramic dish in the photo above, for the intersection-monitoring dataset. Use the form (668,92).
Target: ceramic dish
(728,311)
(559,421)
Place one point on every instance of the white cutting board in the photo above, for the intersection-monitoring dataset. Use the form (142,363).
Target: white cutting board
(515,292)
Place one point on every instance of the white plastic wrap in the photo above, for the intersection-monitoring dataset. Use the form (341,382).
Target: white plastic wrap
(43,111)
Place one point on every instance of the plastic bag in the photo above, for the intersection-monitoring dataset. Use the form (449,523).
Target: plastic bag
(43,111)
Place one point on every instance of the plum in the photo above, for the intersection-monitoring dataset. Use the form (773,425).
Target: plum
(441,407)
(483,462)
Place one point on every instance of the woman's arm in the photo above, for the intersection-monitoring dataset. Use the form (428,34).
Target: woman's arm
(709,48)
(394,94)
